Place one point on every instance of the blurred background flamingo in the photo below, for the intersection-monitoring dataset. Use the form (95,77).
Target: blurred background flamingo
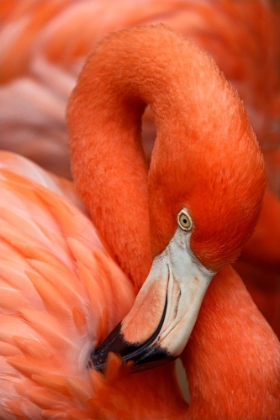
(45,44)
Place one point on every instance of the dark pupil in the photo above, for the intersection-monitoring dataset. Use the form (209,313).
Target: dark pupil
(184,220)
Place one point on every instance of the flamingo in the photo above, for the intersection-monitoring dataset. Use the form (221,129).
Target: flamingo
(43,47)
(67,283)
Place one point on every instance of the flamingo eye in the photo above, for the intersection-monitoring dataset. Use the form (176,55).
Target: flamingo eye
(184,220)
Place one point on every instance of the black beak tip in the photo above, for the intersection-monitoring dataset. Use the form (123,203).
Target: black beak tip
(143,356)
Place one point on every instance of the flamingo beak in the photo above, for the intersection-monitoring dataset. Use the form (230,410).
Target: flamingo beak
(160,322)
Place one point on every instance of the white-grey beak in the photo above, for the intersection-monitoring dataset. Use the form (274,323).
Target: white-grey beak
(160,322)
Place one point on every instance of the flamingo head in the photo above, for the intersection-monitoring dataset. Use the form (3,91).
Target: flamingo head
(206,183)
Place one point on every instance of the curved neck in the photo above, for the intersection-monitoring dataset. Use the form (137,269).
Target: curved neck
(125,72)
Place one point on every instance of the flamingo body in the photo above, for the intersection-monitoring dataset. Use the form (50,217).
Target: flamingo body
(60,293)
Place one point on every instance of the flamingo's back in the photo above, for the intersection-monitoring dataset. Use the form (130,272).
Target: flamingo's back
(60,295)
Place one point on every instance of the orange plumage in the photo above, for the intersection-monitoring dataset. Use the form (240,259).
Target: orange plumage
(63,292)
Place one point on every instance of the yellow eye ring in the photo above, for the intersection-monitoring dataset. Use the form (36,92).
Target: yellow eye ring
(184,221)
